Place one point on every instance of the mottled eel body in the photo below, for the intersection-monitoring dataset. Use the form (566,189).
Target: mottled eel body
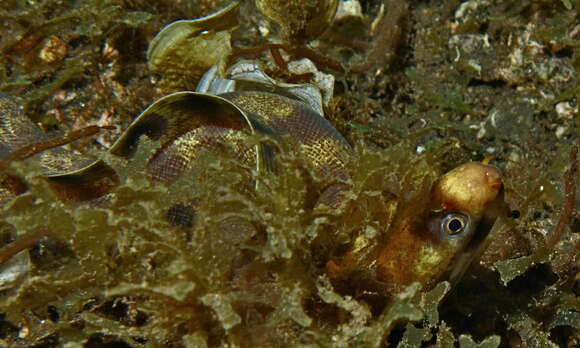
(426,246)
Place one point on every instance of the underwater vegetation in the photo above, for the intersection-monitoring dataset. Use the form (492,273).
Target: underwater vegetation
(254,257)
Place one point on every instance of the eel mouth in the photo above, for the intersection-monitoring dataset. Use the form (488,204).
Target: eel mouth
(474,189)
(494,213)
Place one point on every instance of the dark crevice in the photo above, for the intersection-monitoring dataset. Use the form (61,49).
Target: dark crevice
(533,281)
(491,83)
(565,52)
(100,340)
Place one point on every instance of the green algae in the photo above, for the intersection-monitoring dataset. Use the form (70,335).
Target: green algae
(126,252)
(467,342)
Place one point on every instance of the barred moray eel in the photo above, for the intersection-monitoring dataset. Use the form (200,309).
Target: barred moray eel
(434,243)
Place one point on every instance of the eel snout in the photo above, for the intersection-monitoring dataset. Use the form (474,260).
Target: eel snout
(476,190)
(469,188)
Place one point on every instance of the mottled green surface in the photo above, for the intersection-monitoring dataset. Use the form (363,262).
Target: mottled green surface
(496,77)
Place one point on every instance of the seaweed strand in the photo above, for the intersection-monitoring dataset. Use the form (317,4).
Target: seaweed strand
(388,39)
(279,59)
(36,148)
(301,52)
(382,50)
(570,199)
(20,244)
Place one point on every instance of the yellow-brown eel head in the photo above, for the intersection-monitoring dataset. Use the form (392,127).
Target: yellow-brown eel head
(441,242)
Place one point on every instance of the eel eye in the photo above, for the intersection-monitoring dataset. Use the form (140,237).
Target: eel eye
(454,223)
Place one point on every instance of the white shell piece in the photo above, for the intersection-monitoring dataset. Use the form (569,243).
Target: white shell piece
(212,83)
(323,82)
(14,269)
(252,72)
(310,95)
(348,8)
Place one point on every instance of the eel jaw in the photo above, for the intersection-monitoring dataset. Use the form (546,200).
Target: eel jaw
(494,216)
(474,189)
